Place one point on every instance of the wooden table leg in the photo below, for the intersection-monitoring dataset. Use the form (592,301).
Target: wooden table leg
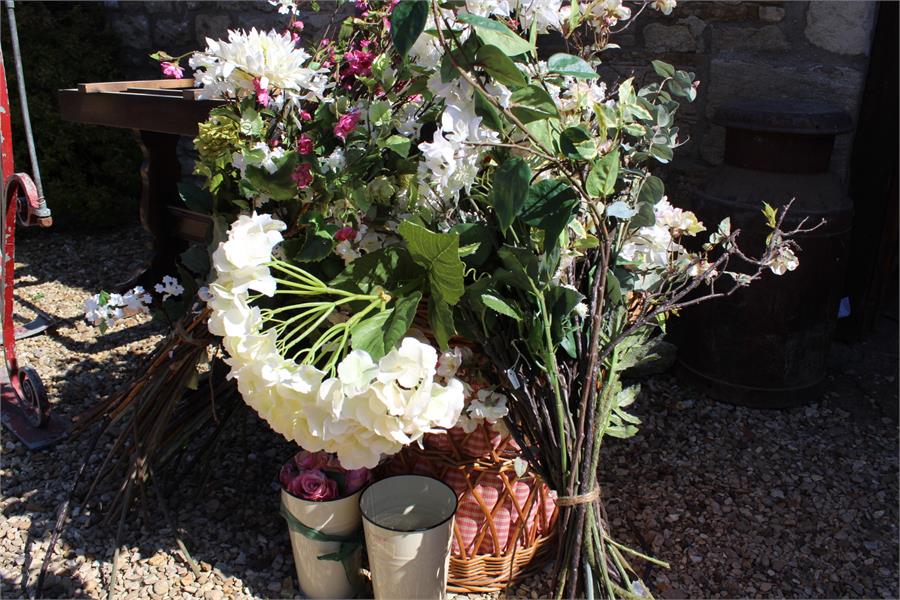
(160,175)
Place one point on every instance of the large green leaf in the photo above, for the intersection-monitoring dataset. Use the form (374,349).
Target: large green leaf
(566,64)
(497,34)
(601,181)
(440,318)
(532,103)
(378,334)
(489,115)
(438,254)
(521,267)
(389,268)
(549,206)
(498,305)
(499,65)
(561,301)
(510,189)
(407,22)
(652,190)
(195,199)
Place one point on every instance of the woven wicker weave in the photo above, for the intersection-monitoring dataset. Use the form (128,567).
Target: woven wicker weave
(505,524)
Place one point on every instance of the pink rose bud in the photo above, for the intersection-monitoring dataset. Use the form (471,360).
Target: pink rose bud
(302,176)
(305,145)
(355,480)
(313,485)
(171,70)
(305,116)
(325,41)
(298,25)
(345,234)
(288,472)
(305,460)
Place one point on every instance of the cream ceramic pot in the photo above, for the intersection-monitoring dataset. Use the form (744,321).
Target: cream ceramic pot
(325,578)
(408,523)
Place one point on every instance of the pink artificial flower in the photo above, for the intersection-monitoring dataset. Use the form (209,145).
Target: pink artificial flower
(346,124)
(359,63)
(313,485)
(172,70)
(305,145)
(305,116)
(295,37)
(288,472)
(325,42)
(297,25)
(355,480)
(305,460)
(345,234)
(303,175)
(262,91)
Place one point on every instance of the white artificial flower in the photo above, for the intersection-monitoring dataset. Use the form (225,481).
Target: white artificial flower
(409,365)
(356,372)
(335,161)
(94,311)
(228,68)
(664,6)
(169,287)
(449,362)
(488,405)
(285,7)
(545,14)
(678,220)
(346,251)
(581,309)
(204,295)
(784,260)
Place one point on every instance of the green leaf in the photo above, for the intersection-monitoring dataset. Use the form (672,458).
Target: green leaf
(566,64)
(601,181)
(561,301)
(279,185)
(378,334)
(620,210)
(663,69)
(440,318)
(399,144)
(662,153)
(438,254)
(499,66)
(577,143)
(522,267)
(196,259)
(389,268)
(645,216)
(498,305)
(549,206)
(495,33)
(771,215)
(407,23)
(471,234)
(510,189)
(195,199)
(532,103)
(652,190)
(489,116)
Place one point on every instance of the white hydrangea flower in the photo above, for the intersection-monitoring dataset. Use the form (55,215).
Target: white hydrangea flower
(335,161)
(664,6)
(285,7)
(367,411)
(678,220)
(545,14)
(94,311)
(784,260)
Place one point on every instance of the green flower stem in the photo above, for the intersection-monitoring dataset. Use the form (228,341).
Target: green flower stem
(306,332)
(553,373)
(285,267)
(629,550)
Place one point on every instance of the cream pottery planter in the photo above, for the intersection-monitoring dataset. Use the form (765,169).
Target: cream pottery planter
(408,522)
(340,518)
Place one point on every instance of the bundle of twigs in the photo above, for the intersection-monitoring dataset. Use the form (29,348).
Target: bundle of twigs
(167,408)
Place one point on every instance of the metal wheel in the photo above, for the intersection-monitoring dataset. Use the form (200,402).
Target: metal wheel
(35,403)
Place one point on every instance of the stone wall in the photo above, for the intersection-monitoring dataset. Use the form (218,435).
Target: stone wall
(739,49)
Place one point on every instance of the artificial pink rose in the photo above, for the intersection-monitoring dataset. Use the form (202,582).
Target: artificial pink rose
(359,63)
(305,145)
(345,234)
(346,124)
(313,485)
(302,176)
(288,472)
(306,460)
(305,116)
(171,70)
(298,25)
(355,480)
(262,92)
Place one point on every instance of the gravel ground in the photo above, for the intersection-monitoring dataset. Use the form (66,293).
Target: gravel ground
(799,503)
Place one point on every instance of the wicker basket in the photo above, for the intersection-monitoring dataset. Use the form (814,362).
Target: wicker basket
(505,524)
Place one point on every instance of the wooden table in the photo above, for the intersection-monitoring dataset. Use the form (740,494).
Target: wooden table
(159,112)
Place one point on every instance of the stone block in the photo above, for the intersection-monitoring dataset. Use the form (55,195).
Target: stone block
(771,14)
(749,39)
(213,26)
(133,30)
(841,27)
(719,11)
(670,38)
(171,33)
